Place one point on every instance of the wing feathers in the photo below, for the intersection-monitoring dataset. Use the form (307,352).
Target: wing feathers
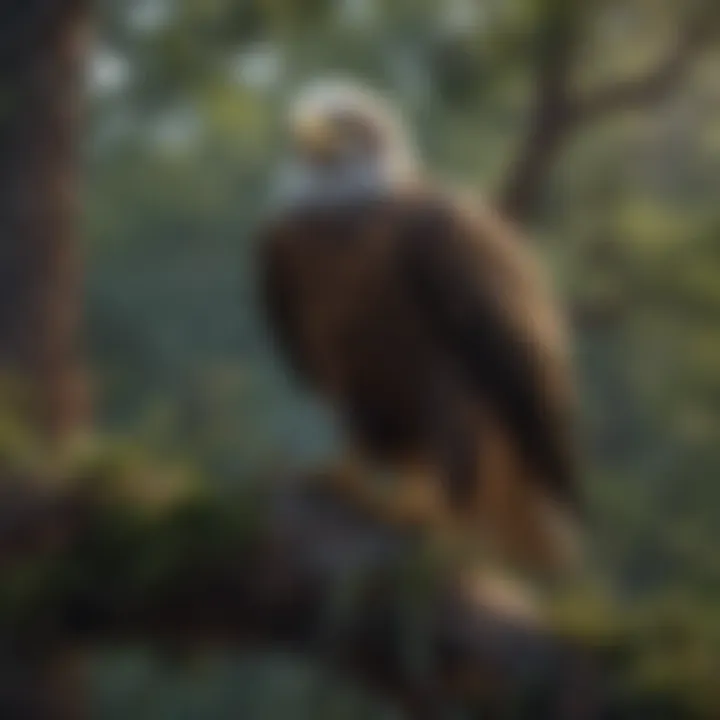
(479,303)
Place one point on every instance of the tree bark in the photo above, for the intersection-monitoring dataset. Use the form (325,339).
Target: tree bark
(42,382)
(41,52)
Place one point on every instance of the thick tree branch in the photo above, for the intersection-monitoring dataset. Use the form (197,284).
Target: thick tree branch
(558,113)
(300,569)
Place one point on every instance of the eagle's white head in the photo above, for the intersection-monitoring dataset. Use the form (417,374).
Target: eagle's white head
(347,143)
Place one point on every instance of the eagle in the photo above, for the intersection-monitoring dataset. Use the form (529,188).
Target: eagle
(424,320)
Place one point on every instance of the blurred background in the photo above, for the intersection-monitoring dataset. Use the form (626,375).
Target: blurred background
(181,136)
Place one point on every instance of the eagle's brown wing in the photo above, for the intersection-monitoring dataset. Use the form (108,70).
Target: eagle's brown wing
(488,311)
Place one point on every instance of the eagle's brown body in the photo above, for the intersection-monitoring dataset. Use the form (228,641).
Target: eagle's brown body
(429,330)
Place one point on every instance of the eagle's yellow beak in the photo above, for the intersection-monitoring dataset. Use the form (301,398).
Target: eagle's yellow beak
(315,136)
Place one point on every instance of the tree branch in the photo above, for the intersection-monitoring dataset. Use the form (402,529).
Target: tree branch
(657,83)
(299,569)
(558,113)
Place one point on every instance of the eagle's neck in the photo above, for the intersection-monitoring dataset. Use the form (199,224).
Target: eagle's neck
(304,185)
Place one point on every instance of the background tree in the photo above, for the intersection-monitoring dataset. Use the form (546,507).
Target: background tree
(42,53)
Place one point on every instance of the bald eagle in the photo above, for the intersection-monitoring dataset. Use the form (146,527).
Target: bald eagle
(424,321)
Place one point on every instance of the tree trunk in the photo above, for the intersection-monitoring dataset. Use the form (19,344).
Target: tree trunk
(529,177)
(41,372)
(40,83)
